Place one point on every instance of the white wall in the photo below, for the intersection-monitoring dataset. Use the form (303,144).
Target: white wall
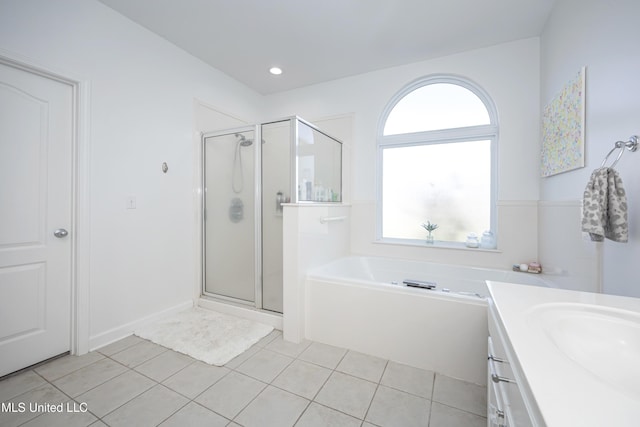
(603,36)
(143,261)
(510,74)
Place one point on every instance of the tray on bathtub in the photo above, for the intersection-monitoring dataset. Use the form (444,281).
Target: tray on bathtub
(419,284)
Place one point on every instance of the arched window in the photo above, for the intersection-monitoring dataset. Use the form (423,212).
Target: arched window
(437,145)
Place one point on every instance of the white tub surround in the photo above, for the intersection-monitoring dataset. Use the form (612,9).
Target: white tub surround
(352,303)
(577,353)
(517,234)
(307,243)
(569,257)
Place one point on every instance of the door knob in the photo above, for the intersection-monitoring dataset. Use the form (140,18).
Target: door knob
(60,233)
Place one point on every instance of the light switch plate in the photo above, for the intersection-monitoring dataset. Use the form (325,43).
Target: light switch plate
(130,202)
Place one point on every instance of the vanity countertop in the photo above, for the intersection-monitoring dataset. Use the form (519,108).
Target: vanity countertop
(579,352)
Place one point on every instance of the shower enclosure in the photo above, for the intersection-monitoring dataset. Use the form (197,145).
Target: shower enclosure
(248,174)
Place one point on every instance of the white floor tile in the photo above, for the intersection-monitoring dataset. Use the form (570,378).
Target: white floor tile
(195,378)
(90,376)
(265,365)
(67,364)
(66,418)
(16,385)
(302,378)
(363,366)
(320,416)
(347,394)
(323,355)
(243,357)
(407,378)
(231,394)
(39,395)
(115,392)
(446,416)
(394,408)
(148,409)
(164,365)
(138,353)
(279,345)
(195,415)
(266,340)
(273,408)
(460,394)
(120,345)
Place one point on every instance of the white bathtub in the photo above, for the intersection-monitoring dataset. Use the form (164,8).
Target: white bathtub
(360,303)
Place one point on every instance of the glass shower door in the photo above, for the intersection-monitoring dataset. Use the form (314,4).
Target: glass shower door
(230,214)
(276,190)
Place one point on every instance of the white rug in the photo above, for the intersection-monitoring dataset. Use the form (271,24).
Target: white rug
(205,335)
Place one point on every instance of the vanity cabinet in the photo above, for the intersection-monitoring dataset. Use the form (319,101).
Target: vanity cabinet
(567,358)
(509,402)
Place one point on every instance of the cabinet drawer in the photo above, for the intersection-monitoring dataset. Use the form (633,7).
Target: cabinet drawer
(496,408)
(501,374)
(498,353)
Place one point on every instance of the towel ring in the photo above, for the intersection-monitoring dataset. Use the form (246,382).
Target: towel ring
(631,145)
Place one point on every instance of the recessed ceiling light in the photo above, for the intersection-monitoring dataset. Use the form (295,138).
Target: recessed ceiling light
(276,71)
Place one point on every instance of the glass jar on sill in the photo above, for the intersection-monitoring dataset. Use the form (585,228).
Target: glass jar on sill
(488,240)
(472,241)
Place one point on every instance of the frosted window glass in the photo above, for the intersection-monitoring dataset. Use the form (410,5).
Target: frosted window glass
(448,184)
(434,107)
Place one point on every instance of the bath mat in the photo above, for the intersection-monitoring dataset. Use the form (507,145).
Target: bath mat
(206,335)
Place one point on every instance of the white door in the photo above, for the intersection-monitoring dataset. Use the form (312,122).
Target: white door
(36,141)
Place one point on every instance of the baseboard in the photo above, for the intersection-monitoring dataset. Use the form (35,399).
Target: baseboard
(245,312)
(115,334)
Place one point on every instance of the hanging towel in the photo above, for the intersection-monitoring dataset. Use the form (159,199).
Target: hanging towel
(604,210)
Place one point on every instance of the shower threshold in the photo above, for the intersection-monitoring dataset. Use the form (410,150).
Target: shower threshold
(241,310)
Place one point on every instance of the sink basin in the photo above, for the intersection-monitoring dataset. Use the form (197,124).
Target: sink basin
(603,341)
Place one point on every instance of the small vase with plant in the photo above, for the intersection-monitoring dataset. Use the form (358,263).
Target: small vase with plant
(430,228)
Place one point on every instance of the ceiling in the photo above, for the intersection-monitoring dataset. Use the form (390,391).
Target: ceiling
(317,41)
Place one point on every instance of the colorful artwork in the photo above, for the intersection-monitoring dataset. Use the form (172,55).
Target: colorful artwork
(563,129)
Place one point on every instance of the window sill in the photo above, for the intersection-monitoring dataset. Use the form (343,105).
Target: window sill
(438,244)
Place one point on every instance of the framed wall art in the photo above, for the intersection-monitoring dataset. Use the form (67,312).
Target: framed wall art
(563,129)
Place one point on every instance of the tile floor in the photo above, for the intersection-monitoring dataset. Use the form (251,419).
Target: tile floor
(134,382)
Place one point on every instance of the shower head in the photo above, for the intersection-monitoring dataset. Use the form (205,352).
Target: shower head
(244,142)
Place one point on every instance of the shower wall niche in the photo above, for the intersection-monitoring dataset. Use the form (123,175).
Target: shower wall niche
(245,185)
